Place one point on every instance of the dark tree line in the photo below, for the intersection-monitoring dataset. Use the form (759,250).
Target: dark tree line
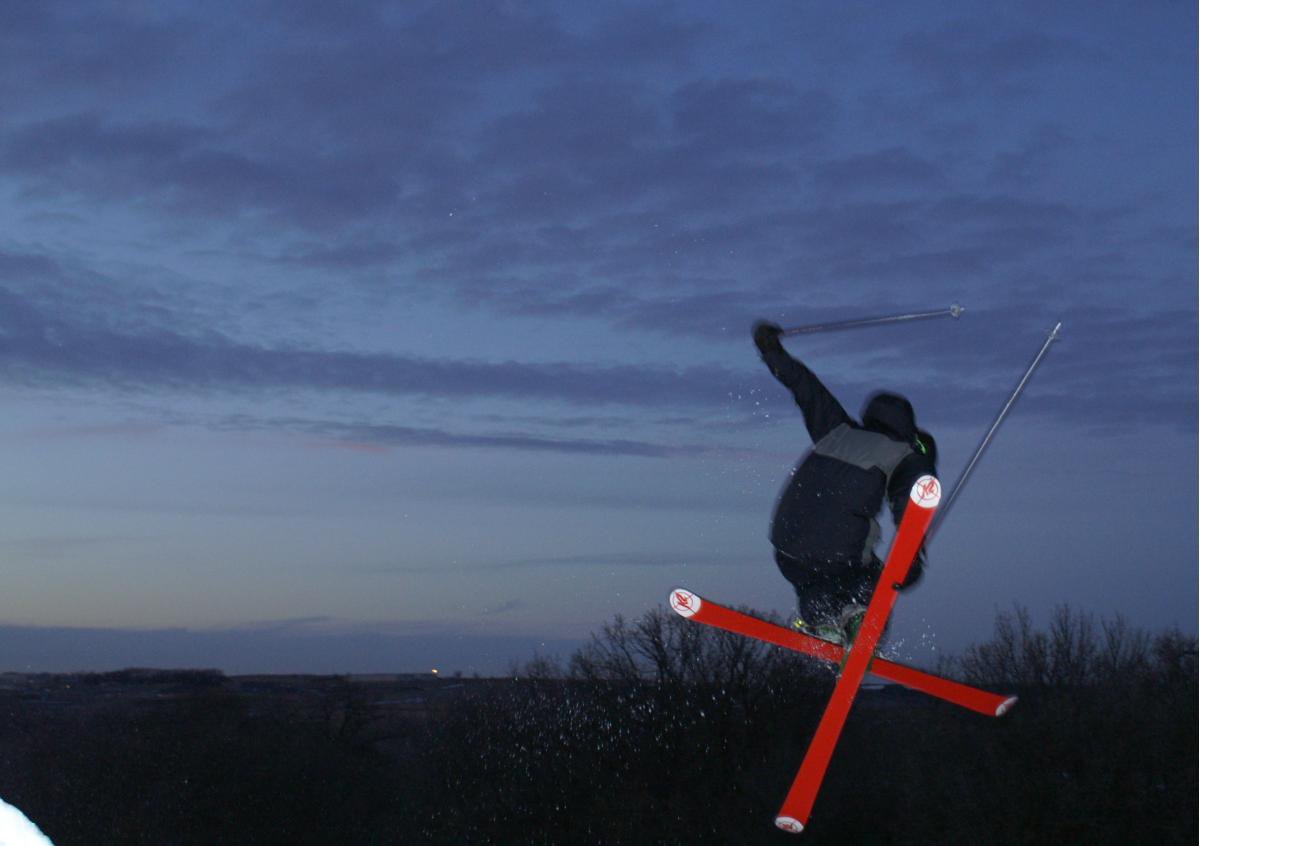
(657,731)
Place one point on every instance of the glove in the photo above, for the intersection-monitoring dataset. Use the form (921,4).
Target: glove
(766,335)
(915,573)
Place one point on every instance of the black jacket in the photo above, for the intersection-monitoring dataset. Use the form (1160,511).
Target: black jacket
(829,508)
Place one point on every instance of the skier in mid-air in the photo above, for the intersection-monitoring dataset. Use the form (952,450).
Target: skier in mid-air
(825,524)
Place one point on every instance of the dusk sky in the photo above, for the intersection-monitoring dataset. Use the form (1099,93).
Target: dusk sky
(385,336)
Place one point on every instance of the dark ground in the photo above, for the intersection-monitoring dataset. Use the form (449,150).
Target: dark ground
(661,731)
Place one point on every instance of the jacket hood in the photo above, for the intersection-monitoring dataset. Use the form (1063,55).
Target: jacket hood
(892,414)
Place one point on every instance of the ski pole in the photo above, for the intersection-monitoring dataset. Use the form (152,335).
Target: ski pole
(954,311)
(988,436)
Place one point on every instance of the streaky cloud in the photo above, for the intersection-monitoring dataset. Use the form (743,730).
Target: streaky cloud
(41,348)
(413,436)
(327,646)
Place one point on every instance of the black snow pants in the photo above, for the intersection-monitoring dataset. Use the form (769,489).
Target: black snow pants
(824,588)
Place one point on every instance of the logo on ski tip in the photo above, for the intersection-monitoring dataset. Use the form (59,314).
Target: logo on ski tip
(789,824)
(926,492)
(685,603)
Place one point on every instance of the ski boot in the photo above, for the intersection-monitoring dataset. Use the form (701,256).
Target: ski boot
(849,622)
(826,630)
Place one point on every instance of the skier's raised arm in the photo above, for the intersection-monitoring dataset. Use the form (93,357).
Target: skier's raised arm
(821,411)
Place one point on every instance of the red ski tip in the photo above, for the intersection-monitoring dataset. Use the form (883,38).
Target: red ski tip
(1006,705)
(789,825)
(684,602)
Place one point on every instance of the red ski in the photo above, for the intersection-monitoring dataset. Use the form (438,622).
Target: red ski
(796,810)
(702,610)
(858,659)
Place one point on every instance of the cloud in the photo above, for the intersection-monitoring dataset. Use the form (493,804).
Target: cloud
(367,436)
(312,645)
(623,168)
(980,58)
(585,121)
(56,547)
(181,167)
(341,256)
(1111,370)
(28,266)
(625,559)
(999,210)
(77,55)
(1126,368)
(504,608)
(63,143)
(308,624)
(750,116)
(893,167)
(314,117)
(709,280)
(40,347)
(1033,158)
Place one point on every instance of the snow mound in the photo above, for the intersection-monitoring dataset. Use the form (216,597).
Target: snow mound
(18,830)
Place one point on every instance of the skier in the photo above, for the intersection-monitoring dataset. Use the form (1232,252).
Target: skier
(825,524)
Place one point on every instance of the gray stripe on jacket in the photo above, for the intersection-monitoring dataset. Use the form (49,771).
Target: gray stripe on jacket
(867,450)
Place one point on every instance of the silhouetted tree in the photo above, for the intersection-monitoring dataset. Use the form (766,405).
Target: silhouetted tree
(1075,651)
(658,730)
